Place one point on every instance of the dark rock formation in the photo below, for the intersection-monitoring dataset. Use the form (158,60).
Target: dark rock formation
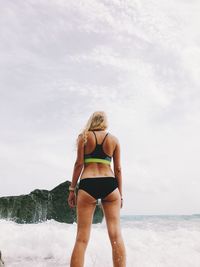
(42,205)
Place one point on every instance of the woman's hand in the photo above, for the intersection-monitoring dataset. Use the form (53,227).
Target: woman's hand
(72,199)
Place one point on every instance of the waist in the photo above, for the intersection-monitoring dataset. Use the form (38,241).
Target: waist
(97,170)
(98,160)
(99,177)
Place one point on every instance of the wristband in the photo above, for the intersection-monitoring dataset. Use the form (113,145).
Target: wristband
(72,188)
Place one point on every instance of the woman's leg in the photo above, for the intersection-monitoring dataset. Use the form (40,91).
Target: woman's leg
(111,207)
(85,209)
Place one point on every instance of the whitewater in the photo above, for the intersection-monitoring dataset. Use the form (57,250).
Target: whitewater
(151,241)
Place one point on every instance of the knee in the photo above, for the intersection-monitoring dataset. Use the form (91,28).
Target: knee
(82,240)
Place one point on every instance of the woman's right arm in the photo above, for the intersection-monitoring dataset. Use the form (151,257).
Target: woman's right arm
(117,166)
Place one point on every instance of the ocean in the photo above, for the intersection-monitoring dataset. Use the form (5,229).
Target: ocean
(151,241)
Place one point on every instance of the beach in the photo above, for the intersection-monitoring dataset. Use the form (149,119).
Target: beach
(151,241)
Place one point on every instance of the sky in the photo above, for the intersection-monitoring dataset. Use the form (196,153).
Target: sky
(139,61)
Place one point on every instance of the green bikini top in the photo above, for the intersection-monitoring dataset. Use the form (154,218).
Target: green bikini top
(98,155)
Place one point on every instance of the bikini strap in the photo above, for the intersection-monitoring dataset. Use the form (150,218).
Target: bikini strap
(104,139)
(95,137)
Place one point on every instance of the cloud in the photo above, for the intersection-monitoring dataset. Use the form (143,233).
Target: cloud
(138,61)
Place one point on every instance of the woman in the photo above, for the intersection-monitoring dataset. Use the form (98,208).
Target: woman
(95,149)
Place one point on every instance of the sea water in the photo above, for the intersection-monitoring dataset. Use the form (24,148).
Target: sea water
(151,241)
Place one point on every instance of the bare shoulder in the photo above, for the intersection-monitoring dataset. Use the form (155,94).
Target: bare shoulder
(81,136)
(114,138)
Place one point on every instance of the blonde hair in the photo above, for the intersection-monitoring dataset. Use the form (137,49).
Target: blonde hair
(97,121)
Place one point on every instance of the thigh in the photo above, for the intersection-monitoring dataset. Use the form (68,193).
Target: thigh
(86,205)
(111,207)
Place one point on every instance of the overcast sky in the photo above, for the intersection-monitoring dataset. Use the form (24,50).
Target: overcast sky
(139,61)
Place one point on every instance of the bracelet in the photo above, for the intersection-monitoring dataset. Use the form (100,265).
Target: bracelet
(72,188)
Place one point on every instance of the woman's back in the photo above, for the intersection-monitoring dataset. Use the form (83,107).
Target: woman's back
(98,152)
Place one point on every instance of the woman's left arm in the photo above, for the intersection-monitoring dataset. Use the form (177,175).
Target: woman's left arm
(79,163)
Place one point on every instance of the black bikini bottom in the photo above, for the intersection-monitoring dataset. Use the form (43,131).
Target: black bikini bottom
(98,187)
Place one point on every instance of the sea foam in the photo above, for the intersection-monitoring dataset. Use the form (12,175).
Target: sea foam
(150,242)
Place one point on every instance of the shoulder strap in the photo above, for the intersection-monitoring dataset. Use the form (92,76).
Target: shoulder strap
(104,139)
(95,136)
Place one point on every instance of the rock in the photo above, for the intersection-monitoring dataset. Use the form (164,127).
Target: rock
(42,205)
